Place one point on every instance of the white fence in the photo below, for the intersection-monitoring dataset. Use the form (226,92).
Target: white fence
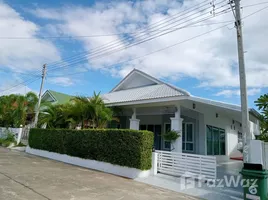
(20,134)
(182,164)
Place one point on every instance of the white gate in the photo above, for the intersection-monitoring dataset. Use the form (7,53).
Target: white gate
(25,135)
(183,164)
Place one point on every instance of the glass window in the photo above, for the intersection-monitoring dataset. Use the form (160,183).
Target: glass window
(215,141)
(167,144)
(222,142)
(189,146)
(189,132)
(188,136)
(240,137)
(209,140)
(143,127)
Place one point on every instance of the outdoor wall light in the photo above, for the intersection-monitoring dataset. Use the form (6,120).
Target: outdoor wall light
(217,115)
(193,105)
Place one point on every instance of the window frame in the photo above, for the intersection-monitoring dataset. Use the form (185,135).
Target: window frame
(164,141)
(185,142)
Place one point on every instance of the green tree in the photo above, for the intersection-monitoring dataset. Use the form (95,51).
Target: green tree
(16,110)
(53,116)
(262,104)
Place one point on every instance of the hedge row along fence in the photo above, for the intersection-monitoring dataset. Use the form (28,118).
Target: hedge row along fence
(122,147)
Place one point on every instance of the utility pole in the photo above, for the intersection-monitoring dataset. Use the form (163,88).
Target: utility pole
(243,84)
(40,96)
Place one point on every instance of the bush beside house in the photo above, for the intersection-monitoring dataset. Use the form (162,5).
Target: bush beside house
(123,147)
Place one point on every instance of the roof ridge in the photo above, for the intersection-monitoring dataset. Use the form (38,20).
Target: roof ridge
(135,88)
(60,92)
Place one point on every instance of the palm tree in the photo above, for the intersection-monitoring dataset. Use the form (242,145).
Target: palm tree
(262,104)
(53,116)
(100,114)
(15,109)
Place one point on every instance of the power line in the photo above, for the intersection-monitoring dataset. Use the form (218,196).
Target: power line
(157,24)
(80,36)
(255,12)
(142,30)
(257,4)
(119,47)
(32,80)
(16,72)
(162,49)
(21,84)
(129,40)
(140,42)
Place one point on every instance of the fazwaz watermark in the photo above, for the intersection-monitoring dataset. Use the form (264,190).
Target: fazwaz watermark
(225,182)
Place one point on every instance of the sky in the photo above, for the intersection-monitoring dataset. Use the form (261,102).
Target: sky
(91,45)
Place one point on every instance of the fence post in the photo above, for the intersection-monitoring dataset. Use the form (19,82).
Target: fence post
(154,163)
(19,135)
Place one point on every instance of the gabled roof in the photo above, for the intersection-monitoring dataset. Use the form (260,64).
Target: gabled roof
(149,79)
(60,98)
(138,85)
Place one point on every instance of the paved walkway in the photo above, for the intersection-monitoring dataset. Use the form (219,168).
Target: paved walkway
(24,177)
(220,190)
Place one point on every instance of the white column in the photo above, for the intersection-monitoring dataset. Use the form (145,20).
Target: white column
(19,135)
(176,125)
(154,163)
(134,122)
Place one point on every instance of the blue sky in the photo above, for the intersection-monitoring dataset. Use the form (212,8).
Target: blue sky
(205,66)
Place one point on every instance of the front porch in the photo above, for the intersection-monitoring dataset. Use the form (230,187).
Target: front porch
(160,119)
(204,129)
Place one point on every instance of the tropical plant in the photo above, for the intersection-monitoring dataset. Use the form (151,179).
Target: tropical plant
(171,136)
(53,116)
(262,104)
(100,114)
(7,139)
(87,112)
(16,110)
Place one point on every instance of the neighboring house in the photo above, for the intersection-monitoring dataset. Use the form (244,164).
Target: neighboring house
(207,127)
(56,97)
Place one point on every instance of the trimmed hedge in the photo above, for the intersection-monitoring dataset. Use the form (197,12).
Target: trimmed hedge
(117,146)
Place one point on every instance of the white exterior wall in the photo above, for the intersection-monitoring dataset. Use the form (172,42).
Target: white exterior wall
(201,116)
(91,164)
(207,116)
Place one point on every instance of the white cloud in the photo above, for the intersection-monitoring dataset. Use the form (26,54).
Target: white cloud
(212,58)
(231,93)
(7,89)
(21,55)
(62,81)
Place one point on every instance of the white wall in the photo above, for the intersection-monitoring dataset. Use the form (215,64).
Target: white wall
(17,132)
(224,121)
(91,164)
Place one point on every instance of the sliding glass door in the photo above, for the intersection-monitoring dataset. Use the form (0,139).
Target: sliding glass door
(215,141)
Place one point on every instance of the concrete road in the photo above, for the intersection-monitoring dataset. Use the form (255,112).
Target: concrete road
(27,177)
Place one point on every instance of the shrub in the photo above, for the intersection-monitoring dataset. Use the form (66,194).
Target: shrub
(263,137)
(117,146)
(171,136)
(7,140)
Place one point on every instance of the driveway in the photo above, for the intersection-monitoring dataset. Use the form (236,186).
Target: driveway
(24,177)
(220,190)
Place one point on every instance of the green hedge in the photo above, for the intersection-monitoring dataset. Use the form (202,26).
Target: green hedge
(117,146)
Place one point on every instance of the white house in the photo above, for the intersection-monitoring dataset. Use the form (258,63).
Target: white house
(207,127)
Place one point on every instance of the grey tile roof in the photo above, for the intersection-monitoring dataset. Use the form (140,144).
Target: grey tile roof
(142,93)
